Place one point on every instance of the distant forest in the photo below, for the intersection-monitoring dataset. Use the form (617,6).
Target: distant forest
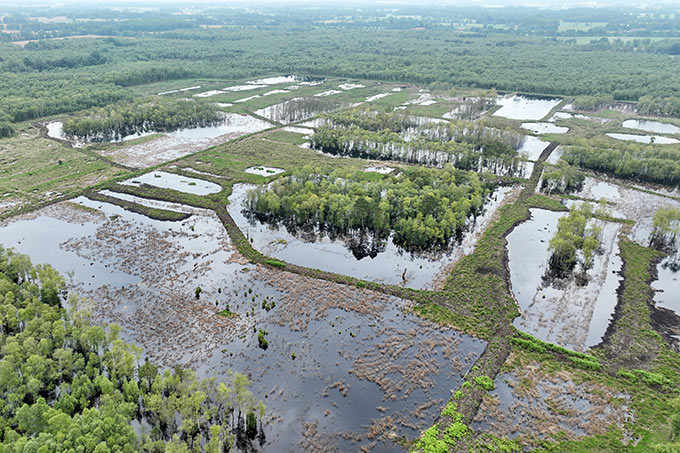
(509,50)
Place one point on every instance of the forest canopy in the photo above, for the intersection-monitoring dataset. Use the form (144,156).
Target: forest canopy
(634,161)
(69,385)
(424,208)
(158,113)
(51,77)
(393,136)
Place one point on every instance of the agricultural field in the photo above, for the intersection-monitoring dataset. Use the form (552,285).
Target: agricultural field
(336,260)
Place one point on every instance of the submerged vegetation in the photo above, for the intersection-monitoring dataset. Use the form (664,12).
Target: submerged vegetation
(67,384)
(424,208)
(374,85)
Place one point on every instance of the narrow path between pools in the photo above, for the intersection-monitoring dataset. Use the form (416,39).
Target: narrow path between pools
(497,349)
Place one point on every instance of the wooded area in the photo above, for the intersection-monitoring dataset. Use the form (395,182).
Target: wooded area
(576,241)
(425,208)
(66,384)
(159,114)
(50,77)
(465,145)
(629,161)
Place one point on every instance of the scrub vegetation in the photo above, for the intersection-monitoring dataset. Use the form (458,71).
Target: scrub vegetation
(576,241)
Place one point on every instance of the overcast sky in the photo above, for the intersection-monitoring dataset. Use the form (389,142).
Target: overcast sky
(356,3)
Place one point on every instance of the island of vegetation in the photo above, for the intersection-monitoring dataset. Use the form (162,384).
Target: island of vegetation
(159,114)
(424,208)
(466,145)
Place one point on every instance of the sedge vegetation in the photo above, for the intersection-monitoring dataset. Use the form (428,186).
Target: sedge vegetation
(161,114)
(424,208)
(69,385)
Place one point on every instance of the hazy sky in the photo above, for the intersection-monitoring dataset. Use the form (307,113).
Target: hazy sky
(357,3)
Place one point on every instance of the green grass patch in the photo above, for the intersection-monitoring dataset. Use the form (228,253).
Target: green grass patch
(485,382)
(275,263)
(153,213)
(293,138)
(227,313)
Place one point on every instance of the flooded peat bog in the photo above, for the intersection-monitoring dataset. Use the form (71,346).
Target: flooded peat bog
(346,369)
(643,138)
(375,97)
(555,156)
(383,263)
(667,283)
(55,129)
(298,109)
(343,369)
(171,145)
(307,131)
(568,312)
(264,171)
(651,126)
(629,204)
(173,181)
(277,80)
(186,141)
(545,128)
(379,169)
(532,147)
(525,108)
(179,90)
(567,116)
(530,405)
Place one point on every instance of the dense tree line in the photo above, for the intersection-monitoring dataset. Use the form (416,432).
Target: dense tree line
(593,102)
(659,105)
(424,208)
(374,121)
(33,95)
(467,146)
(575,242)
(629,161)
(563,178)
(510,20)
(299,109)
(68,385)
(71,75)
(666,232)
(154,114)
(6,127)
